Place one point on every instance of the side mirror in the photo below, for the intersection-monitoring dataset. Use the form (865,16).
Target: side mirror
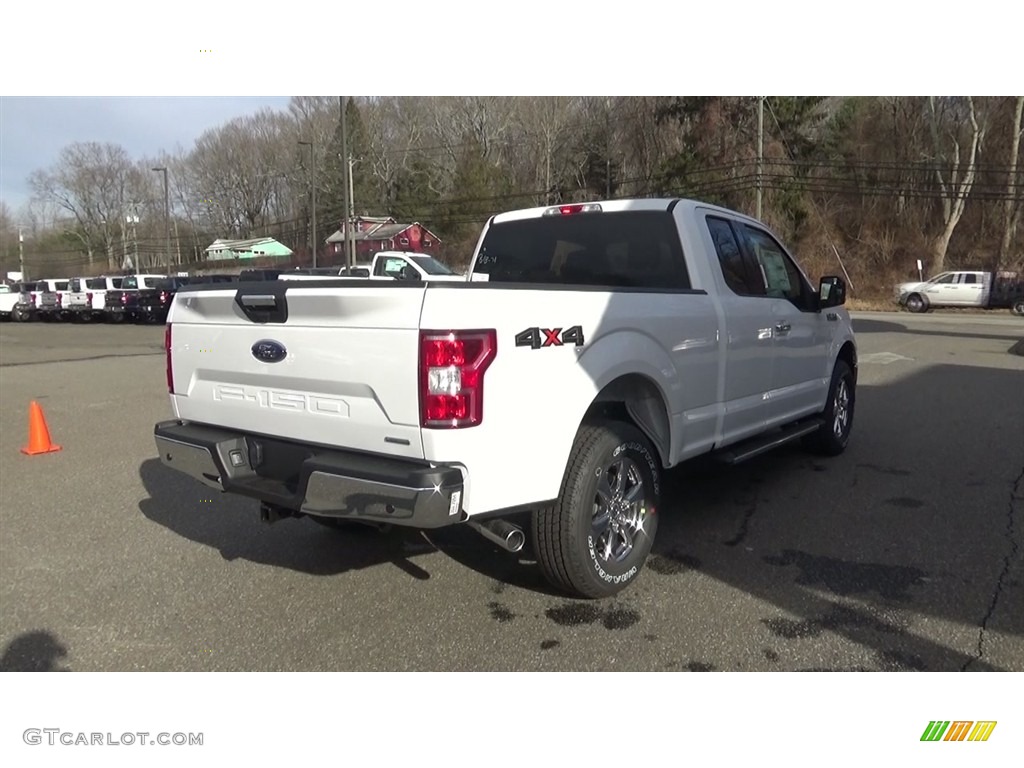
(408,273)
(831,292)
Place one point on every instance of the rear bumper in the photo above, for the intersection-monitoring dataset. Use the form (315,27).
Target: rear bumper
(314,480)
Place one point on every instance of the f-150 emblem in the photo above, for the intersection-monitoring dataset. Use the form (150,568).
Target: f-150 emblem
(269,351)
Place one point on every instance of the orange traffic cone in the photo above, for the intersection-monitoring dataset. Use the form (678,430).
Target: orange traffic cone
(38,433)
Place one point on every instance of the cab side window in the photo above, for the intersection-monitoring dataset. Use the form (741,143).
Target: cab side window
(740,275)
(389,266)
(782,278)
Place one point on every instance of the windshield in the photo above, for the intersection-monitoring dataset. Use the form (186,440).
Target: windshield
(431,265)
(638,249)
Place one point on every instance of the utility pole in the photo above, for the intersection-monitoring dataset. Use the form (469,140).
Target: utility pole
(312,187)
(133,219)
(351,190)
(167,219)
(21,254)
(347,227)
(177,244)
(760,150)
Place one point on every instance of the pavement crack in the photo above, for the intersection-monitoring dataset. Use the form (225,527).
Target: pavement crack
(741,534)
(1010,534)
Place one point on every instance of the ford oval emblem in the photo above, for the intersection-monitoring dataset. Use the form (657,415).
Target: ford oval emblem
(269,351)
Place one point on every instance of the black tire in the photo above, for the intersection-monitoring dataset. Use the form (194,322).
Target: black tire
(834,435)
(115,317)
(917,303)
(575,540)
(1018,307)
(20,315)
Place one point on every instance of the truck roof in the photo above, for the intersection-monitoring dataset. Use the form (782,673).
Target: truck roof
(612,206)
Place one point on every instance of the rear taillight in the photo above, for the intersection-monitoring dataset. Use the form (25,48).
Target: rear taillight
(452,366)
(33,296)
(167,349)
(124,298)
(163,297)
(60,300)
(88,299)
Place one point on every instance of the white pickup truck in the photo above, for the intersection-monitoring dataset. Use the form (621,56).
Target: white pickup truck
(87,297)
(386,265)
(964,288)
(591,348)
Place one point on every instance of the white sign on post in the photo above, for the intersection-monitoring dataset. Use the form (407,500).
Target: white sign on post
(920,268)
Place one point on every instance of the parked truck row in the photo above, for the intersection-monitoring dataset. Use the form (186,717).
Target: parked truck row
(147,297)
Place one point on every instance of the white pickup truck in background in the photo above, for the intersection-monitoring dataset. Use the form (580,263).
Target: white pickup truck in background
(87,296)
(964,288)
(592,347)
(386,265)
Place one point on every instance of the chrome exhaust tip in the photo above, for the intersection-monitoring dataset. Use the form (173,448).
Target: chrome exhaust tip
(501,532)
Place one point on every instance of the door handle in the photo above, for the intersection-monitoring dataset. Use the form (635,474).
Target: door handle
(782,328)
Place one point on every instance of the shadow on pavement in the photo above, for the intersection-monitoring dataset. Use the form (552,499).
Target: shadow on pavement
(859,546)
(37,651)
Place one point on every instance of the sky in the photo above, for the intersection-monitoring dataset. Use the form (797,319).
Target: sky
(541,49)
(33,130)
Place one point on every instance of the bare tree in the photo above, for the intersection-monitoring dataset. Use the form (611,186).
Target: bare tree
(1012,203)
(235,167)
(92,183)
(947,116)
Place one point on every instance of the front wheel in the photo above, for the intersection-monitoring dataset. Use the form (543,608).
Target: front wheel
(917,303)
(595,539)
(1018,307)
(837,418)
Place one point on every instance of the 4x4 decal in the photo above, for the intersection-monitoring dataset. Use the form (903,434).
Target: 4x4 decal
(535,338)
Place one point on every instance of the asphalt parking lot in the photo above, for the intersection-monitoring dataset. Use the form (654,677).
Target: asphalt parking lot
(905,553)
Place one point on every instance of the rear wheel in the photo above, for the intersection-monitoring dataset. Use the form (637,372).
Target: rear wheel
(595,539)
(19,315)
(1018,307)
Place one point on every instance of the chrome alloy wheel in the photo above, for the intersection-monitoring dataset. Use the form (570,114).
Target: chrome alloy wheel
(619,510)
(841,412)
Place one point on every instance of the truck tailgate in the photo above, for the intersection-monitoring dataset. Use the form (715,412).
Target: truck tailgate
(346,375)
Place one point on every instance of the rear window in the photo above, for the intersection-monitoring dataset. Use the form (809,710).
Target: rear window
(95,284)
(628,249)
(76,285)
(129,283)
(431,265)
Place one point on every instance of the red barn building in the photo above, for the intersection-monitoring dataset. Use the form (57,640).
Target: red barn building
(377,233)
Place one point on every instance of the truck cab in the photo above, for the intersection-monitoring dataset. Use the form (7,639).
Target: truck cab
(403,265)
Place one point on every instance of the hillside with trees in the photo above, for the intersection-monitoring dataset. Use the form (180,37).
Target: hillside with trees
(874,183)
